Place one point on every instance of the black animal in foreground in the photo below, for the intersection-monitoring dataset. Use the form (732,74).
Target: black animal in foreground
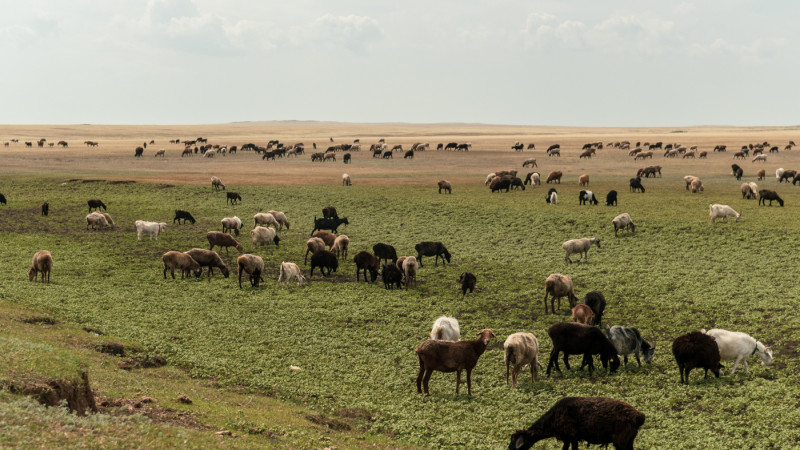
(96,204)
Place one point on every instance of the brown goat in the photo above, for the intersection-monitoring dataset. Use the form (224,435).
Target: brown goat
(450,356)
(582,313)
(558,286)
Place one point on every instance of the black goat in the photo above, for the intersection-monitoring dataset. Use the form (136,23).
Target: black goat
(385,252)
(324,260)
(96,204)
(579,339)
(597,302)
(596,420)
(45,208)
(367,261)
(467,280)
(428,248)
(766,194)
(232,197)
(636,185)
(181,214)
(611,198)
(391,276)
(696,349)
(328,224)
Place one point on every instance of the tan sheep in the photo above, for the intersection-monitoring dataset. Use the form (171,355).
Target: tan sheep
(580,246)
(340,246)
(521,349)
(223,240)
(583,180)
(623,222)
(582,313)
(176,260)
(96,220)
(313,245)
(281,218)
(253,266)
(42,263)
(328,237)
(265,219)
(557,286)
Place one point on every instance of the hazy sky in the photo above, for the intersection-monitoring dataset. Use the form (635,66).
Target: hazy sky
(560,62)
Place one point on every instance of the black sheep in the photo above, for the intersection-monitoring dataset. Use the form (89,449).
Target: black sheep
(181,214)
(596,420)
(516,183)
(346,158)
(500,184)
(329,212)
(324,260)
(597,302)
(139,152)
(366,261)
(384,252)
(45,209)
(233,198)
(436,249)
(2,199)
(579,339)
(737,171)
(696,349)
(96,204)
(636,185)
(611,198)
(467,280)
(391,276)
(766,194)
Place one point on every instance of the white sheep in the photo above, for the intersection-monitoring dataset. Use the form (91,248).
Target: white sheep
(96,220)
(553,198)
(623,222)
(216,183)
(521,349)
(717,211)
(341,245)
(754,187)
(689,179)
(264,235)
(231,223)
(737,346)
(779,173)
(346,180)
(151,228)
(762,158)
(265,219)
(580,246)
(410,267)
(281,218)
(445,329)
(290,271)
(536,179)
(208,154)
(489,178)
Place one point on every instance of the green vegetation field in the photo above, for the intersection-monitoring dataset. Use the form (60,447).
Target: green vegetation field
(354,342)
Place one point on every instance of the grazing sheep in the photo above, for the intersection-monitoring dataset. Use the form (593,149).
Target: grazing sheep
(210,259)
(467,281)
(232,197)
(216,184)
(557,286)
(280,217)
(533,179)
(696,186)
(391,276)
(313,245)
(436,249)
(597,302)
(717,211)
(636,185)
(384,252)
(628,340)
(761,174)
(182,215)
(787,175)
(290,271)
(251,265)
(596,420)
(737,346)
(262,235)
(738,172)
(96,220)
(324,260)
(231,224)
(223,240)
(151,228)
(176,260)
(347,158)
(581,247)
(326,236)
(623,222)
(346,180)
(42,263)
(552,196)
(265,219)
(340,246)
(579,339)
(45,208)
(445,329)
(766,194)
(778,173)
(96,204)
(762,158)
(586,196)
(366,261)
(696,349)
(3,200)
(445,185)
(754,188)
(520,349)
(329,212)
(498,184)
(582,313)
(448,356)
(530,162)
(583,180)
(747,191)
(489,178)
(554,176)
(410,267)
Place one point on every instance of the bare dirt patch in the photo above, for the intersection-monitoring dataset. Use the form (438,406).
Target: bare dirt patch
(78,396)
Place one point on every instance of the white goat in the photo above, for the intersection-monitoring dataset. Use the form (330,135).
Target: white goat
(151,228)
(737,346)
(520,349)
(579,246)
(265,219)
(717,211)
(445,329)
(290,271)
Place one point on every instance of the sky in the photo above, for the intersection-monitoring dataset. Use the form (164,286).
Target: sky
(520,62)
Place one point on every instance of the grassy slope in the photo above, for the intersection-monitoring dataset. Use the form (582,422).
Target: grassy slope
(355,342)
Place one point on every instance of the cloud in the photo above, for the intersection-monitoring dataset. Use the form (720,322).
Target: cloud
(353,32)
(756,52)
